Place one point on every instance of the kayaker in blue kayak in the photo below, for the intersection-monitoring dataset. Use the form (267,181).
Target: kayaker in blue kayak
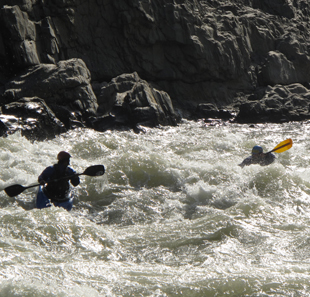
(55,187)
(258,157)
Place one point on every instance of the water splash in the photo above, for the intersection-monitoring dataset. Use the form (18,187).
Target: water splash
(173,215)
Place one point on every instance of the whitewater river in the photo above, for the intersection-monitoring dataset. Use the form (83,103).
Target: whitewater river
(174,215)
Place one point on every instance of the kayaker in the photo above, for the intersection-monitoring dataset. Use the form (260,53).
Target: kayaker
(258,157)
(56,187)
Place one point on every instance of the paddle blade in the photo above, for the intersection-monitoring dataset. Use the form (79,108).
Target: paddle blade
(283,146)
(95,170)
(14,190)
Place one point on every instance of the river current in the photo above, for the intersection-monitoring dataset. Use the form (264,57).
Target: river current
(174,215)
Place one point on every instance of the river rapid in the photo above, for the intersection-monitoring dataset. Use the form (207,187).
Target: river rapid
(174,215)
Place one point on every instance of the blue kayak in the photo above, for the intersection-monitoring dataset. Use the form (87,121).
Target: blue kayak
(43,201)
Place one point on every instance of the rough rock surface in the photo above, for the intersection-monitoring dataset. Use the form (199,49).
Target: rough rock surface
(67,84)
(277,104)
(244,57)
(32,117)
(131,101)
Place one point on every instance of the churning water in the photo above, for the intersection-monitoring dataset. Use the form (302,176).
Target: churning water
(174,215)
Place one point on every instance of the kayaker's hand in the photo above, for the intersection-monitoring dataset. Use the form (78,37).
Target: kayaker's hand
(42,182)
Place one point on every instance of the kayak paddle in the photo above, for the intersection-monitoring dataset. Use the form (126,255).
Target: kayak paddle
(282,146)
(95,170)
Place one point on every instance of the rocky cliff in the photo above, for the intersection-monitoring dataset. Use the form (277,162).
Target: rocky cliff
(121,63)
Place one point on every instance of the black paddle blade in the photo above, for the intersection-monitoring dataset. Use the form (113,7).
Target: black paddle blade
(95,170)
(14,190)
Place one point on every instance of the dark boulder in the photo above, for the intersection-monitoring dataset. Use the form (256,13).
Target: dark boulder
(3,128)
(209,110)
(20,47)
(32,117)
(131,101)
(66,84)
(278,104)
(71,119)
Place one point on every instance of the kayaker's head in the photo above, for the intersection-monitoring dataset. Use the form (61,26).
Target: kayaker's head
(63,158)
(257,151)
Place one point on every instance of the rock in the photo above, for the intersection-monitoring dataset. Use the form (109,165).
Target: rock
(277,7)
(278,70)
(33,117)
(278,104)
(194,52)
(22,37)
(70,119)
(104,123)
(209,110)
(3,128)
(66,84)
(131,101)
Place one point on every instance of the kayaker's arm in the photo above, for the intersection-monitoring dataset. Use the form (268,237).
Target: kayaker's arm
(45,175)
(75,179)
(246,162)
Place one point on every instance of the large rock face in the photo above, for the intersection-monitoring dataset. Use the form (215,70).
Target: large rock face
(198,52)
(132,101)
(67,83)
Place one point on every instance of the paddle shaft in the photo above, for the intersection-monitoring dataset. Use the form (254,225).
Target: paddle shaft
(95,170)
(56,180)
(15,190)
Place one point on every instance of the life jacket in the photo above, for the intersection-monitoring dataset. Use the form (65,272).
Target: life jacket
(58,190)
